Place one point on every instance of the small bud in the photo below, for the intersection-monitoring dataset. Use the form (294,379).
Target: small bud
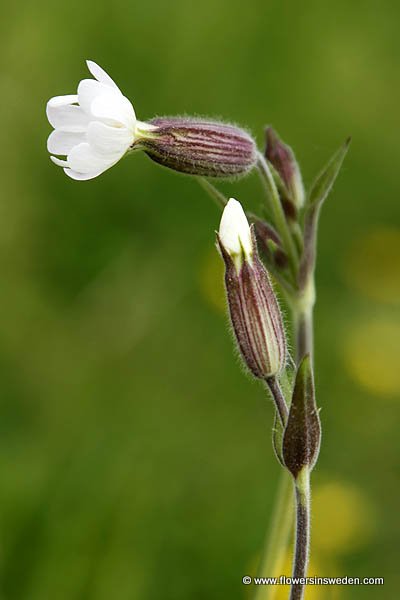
(302,435)
(270,244)
(253,307)
(284,162)
(199,147)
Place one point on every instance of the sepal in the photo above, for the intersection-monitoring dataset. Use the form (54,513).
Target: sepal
(200,147)
(302,435)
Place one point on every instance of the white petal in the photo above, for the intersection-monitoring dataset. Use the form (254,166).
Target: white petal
(84,159)
(67,117)
(63,100)
(89,89)
(109,140)
(234,230)
(82,176)
(114,109)
(99,74)
(59,162)
(62,142)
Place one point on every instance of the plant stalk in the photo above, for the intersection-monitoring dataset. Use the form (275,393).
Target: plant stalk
(279,398)
(213,192)
(302,543)
(304,332)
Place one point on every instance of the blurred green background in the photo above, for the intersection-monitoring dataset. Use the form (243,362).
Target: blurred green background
(135,455)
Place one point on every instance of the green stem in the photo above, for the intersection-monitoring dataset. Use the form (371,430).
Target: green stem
(302,543)
(277,212)
(304,333)
(215,194)
(302,305)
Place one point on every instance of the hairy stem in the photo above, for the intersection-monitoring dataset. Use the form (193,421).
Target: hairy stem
(302,306)
(279,398)
(302,543)
(304,334)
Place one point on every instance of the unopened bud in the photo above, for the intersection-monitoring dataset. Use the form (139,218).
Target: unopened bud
(270,244)
(302,434)
(285,164)
(199,147)
(253,307)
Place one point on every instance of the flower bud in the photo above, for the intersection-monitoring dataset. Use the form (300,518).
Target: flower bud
(253,307)
(199,147)
(285,164)
(269,243)
(302,435)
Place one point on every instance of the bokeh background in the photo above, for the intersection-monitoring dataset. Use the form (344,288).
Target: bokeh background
(135,454)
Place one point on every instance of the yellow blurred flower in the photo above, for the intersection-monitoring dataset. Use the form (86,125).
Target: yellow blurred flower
(342,518)
(371,355)
(312,592)
(373,265)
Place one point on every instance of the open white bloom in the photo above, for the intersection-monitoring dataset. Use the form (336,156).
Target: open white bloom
(234,232)
(93,128)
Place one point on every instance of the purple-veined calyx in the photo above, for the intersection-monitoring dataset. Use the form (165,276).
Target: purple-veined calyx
(253,306)
(97,126)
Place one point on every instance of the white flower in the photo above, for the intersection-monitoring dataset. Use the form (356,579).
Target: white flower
(234,232)
(93,128)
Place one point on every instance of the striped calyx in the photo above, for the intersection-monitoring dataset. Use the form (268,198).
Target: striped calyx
(283,160)
(199,147)
(253,308)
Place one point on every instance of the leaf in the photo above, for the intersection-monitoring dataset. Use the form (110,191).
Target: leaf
(318,193)
(302,435)
(325,180)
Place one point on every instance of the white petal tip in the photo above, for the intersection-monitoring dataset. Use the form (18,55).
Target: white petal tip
(234,230)
(59,162)
(100,74)
(81,176)
(62,100)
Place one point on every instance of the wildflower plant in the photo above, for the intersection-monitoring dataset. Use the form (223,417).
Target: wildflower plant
(96,127)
